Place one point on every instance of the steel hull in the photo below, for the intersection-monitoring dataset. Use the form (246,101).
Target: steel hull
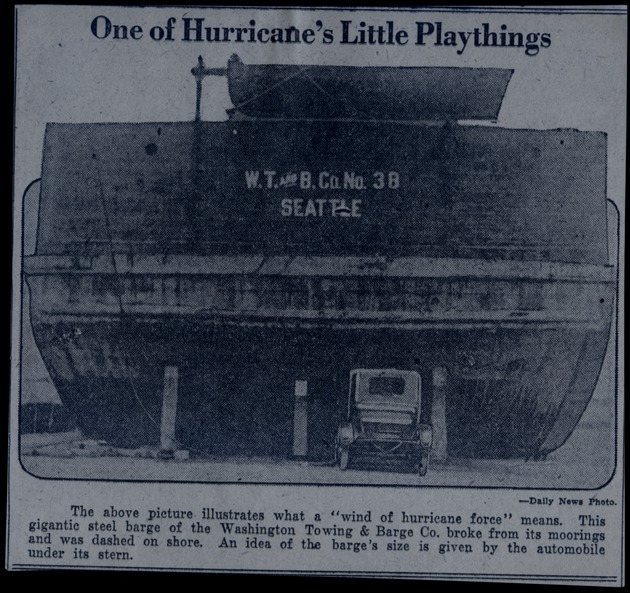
(521,368)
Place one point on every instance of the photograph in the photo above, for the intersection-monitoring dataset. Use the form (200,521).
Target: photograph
(343,248)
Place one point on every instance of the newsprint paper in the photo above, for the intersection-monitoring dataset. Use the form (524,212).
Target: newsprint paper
(319,292)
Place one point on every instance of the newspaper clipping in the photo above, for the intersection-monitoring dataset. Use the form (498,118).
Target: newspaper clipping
(319,292)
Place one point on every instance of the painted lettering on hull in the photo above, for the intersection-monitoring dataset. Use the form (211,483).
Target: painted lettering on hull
(320,207)
(269,179)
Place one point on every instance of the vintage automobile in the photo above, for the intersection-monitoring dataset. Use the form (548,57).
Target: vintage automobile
(383,418)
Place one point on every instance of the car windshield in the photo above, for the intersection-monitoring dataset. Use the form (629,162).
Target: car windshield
(387,386)
(387,389)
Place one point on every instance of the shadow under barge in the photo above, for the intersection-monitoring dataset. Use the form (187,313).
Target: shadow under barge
(341,218)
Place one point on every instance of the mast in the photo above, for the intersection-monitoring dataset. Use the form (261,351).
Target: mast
(200,71)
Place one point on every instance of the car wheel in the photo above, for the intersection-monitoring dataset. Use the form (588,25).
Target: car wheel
(423,463)
(344,456)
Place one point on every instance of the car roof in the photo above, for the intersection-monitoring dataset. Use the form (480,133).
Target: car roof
(385,372)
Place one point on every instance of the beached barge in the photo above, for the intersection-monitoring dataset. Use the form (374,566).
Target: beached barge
(340,218)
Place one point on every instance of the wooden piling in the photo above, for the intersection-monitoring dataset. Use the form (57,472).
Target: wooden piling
(438,414)
(169,409)
(300,419)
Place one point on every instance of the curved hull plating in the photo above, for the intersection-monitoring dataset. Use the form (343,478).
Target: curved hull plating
(522,344)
